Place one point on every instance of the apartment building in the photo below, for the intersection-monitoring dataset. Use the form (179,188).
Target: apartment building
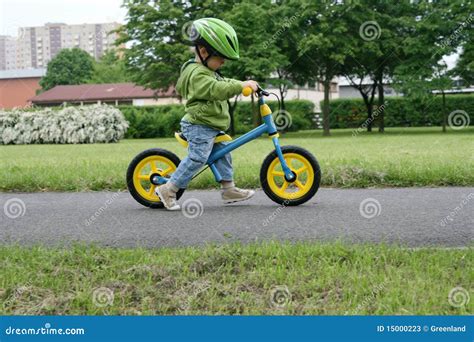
(8,53)
(36,46)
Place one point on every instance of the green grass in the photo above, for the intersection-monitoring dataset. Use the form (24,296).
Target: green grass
(270,278)
(400,157)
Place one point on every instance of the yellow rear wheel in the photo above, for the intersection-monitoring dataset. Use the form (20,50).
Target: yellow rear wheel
(146,165)
(155,164)
(303,164)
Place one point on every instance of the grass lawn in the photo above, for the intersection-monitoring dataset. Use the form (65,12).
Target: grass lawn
(400,157)
(269,278)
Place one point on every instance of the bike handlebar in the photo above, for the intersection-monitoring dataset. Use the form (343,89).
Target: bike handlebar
(247,91)
(260,91)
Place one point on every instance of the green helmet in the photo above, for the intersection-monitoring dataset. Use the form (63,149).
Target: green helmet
(216,35)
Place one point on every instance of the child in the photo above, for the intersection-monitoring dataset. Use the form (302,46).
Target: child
(207,111)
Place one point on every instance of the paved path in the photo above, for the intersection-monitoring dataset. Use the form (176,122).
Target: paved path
(409,216)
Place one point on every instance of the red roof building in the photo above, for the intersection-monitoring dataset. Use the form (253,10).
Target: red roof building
(17,86)
(109,93)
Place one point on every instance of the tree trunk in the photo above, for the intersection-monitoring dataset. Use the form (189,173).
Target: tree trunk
(231,113)
(380,104)
(255,113)
(445,117)
(368,105)
(282,96)
(327,85)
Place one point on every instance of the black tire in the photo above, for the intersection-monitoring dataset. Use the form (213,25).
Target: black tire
(131,168)
(297,201)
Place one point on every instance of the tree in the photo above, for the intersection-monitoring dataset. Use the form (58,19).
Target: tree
(258,53)
(403,38)
(69,66)
(110,69)
(442,82)
(281,37)
(322,47)
(465,64)
(158,34)
(422,87)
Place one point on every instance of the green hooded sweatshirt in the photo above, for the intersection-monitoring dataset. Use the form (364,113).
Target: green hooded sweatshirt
(206,95)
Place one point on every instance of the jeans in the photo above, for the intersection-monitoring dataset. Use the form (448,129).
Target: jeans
(201,144)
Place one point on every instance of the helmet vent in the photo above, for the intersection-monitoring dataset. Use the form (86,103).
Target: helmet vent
(230,42)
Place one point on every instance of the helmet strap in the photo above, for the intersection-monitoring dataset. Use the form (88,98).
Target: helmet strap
(210,52)
(203,60)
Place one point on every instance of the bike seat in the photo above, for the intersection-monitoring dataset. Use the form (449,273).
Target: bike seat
(220,137)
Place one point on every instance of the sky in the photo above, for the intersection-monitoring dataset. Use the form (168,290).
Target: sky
(24,13)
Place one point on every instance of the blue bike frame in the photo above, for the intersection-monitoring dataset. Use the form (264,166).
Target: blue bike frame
(268,126)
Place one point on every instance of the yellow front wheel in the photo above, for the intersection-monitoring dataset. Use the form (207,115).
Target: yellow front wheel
(145,169)
(295,192)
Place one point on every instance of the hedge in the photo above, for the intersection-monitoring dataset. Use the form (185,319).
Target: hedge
(69,125)
(163,121)
(399,111)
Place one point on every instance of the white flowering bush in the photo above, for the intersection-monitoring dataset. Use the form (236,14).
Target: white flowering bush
(70,125)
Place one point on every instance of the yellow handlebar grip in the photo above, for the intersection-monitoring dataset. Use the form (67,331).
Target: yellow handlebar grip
(246,91)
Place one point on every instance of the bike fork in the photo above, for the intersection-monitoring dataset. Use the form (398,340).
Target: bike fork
(289,175)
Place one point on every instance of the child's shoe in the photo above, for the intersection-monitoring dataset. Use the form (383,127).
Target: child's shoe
(234,194)
(167,196)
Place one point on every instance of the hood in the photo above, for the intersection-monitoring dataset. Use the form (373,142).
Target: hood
(182,86)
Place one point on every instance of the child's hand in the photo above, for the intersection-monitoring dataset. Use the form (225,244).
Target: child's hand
(250,83)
